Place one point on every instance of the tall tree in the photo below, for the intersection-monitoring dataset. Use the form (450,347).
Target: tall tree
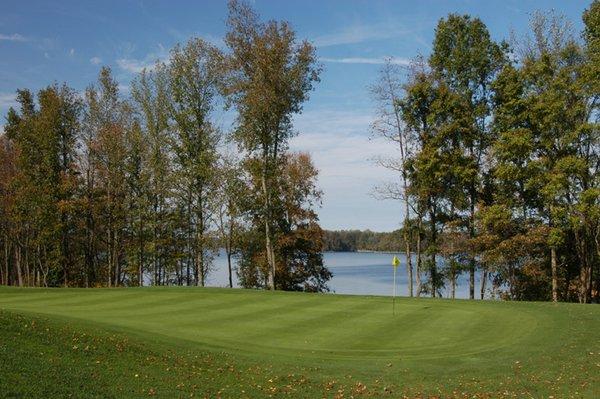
(232,191)
(466,59)
(425,109)
(195,73)
(137,201)
(270,77)
(8,171)
(150,92)
(104,160)
(299,243)
(45,187)
(389,125)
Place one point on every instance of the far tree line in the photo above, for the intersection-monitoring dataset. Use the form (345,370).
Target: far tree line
(102,189)
(498,158)
(363,240)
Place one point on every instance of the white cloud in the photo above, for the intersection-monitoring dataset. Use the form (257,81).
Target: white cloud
(183,37)
(124,89)
(134,65)
(95,60)
(15,37)
(341,148)
(7,100)
(340,142)
(216,41)
(361,33)
(72,52)
(365,60)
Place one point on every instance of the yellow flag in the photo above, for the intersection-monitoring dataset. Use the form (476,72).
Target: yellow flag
(395,261)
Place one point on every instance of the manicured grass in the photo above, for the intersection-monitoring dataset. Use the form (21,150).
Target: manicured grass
(178,342)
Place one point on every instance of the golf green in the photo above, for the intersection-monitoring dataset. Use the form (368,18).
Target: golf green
(427,348)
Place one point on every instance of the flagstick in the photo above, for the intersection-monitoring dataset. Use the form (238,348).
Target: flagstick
(394,294)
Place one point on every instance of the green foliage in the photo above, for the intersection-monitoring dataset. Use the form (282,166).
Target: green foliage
(503,147)
(298,242)
(269,77)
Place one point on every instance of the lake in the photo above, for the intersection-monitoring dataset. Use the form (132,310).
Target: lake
(357,273)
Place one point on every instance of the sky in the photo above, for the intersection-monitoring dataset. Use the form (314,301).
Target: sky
(42,42)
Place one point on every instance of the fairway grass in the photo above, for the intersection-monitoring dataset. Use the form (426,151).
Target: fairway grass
(182,342)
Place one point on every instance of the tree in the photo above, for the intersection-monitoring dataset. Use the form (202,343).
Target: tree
(389,125)
(44,139)
(108,121)
(299,243)
(546,151)
(150,93)
(427,109)
(589,206)
(8,173)
(466,59)
(229,214)
(195,73)
(137,200)
(270,76)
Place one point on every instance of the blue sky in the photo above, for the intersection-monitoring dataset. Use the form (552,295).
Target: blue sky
(68,41)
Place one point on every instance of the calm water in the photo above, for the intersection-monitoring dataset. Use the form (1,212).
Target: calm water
(359,273)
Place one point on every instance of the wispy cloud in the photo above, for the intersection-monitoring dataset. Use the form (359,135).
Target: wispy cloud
(135,65)
(361,33)
(341,148)
(333,137)
(183,37)
(7,100)
(368,60)
(95,60)
(72,52)
(124,89)
(15,37)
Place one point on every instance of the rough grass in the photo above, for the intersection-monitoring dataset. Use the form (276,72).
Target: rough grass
(182,342)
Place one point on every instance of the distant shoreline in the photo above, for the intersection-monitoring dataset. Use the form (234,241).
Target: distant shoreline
(368,251)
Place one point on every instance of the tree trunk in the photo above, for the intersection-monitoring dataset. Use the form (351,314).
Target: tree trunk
(433,265)
(5,280)
(155,221)
(26,262)
(117,261)
(453,285)
(553,264)
(200,266)
(141,254)
(585,283)
(409,268)
(230,243)
(190,257)
(472,235)
(18,266)
(433,271)
(484,277)
(229,268)
(110,256)
(585,253)
(268,243)
(418,269)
